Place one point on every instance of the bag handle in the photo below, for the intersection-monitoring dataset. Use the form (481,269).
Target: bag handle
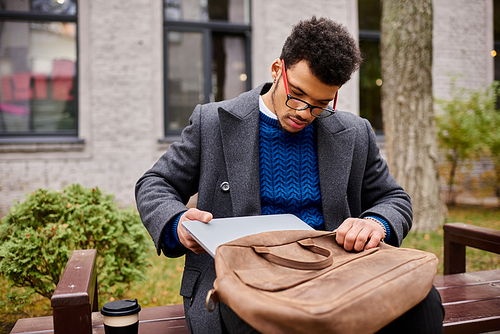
(211,297)
(295,264)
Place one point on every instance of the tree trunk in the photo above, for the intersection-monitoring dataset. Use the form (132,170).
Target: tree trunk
(407,107)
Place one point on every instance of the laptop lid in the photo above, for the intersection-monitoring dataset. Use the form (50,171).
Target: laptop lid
(221,230)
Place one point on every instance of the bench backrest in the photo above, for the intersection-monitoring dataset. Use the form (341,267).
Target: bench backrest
(75,297)
(458,235)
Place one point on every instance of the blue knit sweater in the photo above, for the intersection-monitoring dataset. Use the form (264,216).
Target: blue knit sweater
(289,179)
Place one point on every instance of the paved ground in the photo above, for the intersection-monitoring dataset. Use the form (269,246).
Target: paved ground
(468,199)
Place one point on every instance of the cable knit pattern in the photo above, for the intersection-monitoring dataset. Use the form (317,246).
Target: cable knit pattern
(289,179)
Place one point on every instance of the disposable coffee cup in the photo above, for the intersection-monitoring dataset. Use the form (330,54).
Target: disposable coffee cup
(121,316)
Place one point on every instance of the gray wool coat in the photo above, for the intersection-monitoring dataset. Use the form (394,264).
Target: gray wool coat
(221,144)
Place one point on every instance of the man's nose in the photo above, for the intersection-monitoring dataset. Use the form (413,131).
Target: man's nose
(304,114)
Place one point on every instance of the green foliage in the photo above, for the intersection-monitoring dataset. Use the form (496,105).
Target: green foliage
(467,129)
(489,125)
(457,131)
(39,234)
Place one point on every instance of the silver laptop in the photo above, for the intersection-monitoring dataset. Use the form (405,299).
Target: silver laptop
(221,230)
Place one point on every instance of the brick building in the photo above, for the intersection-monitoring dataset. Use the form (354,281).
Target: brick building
(93,92)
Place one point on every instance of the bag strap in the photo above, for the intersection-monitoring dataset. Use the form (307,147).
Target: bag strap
(295,264)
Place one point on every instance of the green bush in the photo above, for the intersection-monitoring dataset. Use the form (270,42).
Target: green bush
(39,234)
(467,129)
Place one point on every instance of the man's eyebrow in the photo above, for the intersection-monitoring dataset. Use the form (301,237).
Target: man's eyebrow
(325,101)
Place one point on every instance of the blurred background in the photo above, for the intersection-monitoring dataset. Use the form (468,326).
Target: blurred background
(93,91)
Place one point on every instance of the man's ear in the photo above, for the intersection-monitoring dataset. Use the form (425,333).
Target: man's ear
(276,68)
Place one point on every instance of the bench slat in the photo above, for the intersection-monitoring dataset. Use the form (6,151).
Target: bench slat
(169,327)
(159,312)
(470,294)
(474,317)
(466,278)
(30,325)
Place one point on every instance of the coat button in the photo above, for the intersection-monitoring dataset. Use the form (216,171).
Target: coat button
(224,186)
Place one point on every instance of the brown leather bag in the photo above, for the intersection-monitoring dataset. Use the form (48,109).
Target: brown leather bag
(304,282)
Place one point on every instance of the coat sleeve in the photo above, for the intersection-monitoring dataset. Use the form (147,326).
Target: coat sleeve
(163,191)
(382,196)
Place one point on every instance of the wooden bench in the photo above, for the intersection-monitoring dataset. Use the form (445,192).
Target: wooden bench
(471,300)
(76,311)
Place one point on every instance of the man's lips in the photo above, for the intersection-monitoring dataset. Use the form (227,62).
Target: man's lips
(296,124)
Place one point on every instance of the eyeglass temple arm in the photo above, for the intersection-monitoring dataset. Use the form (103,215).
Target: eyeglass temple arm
(285,79)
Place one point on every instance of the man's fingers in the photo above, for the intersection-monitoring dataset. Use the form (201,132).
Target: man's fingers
(188,241)
(184,237)
(349,231)
(361,240)
(193,245)
(372,243)
(375,237)
(195,214)
(358,234)
(342,231)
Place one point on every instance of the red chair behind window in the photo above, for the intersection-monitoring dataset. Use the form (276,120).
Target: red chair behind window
(22,86)
(7,88)
(62,79)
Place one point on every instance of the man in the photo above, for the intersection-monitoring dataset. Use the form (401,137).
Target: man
(280,148)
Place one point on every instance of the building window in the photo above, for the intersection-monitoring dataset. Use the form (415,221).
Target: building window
(370,77)
(38,68)
(207,55)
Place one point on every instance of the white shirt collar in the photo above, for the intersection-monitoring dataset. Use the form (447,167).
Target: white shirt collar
(265,110)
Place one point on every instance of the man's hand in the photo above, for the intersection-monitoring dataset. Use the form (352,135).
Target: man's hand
(359,234)
(184,237)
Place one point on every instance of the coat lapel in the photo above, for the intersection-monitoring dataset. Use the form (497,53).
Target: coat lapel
(335,147)
(240,141)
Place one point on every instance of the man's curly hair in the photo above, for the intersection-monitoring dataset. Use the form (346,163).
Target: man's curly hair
(330,51)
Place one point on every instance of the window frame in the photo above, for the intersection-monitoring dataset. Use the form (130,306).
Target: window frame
(69,136)
(206,28)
